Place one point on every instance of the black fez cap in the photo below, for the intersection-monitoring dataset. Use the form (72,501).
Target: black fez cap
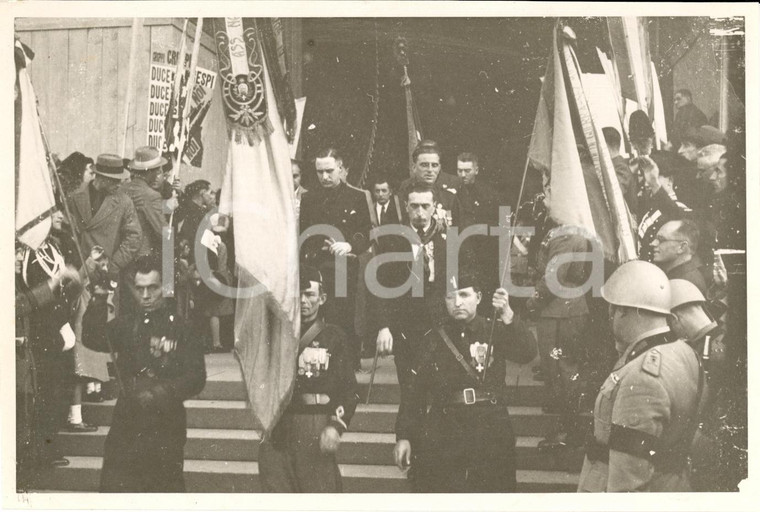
(309,274)
(639,126)
(467,277)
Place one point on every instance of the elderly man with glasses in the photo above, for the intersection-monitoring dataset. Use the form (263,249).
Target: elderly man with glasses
(674,249)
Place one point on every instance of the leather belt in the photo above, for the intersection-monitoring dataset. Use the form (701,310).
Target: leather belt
(470,396)
(313,398)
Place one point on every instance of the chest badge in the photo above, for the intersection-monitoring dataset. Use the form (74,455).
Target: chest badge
(161,346)
(479,353)
(312,361)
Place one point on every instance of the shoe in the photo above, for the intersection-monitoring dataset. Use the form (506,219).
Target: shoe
(537,369)
(80,427)
(219,350)
(57,462)
(95,397)
(552,443)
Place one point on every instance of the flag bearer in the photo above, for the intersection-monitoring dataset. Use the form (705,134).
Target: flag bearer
(453,429)
(300,454)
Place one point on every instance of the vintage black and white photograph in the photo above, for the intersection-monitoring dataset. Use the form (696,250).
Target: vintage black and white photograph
(309,252)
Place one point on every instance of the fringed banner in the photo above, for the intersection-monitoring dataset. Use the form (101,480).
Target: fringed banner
(241,71)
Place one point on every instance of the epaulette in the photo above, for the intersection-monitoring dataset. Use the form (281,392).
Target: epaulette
(651,362)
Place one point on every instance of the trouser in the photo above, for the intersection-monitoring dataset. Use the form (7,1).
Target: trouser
(465,448)
(341,311)
(560,343)
(293,462)
(406,347)
(144,451)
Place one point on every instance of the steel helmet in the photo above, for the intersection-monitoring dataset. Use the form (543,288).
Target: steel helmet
(684,292)
(638,284)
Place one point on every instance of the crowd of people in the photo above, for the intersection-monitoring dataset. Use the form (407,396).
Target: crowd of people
(658,321)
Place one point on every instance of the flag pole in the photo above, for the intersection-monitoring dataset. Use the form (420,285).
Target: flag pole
(183,129)
(77,245)
(136,26)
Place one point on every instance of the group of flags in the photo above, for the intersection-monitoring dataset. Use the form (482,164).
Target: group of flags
(567,143)
(258,187)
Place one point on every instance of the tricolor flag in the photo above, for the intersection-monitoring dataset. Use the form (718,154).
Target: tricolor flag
(35,201)
(586,196)
(633,72)
(258,193)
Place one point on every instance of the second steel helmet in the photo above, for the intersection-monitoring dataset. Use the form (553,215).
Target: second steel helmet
(684,292)
(638,284)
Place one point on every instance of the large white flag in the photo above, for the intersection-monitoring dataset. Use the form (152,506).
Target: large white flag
(35,201)
(258,193)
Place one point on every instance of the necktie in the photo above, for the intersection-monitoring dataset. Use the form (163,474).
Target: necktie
(382,213)
(425,257)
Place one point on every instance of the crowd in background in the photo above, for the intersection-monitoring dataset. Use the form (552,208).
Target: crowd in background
(687,201)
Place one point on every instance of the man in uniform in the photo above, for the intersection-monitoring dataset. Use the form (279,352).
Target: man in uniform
(160,366)
(300,455)
(402,322)
(561,325)
(426,168)
(453,428)
(646,411)
(480,206)
(336,204)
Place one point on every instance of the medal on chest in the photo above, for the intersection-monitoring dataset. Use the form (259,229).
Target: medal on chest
(313,360)
(480,353)
(160,344)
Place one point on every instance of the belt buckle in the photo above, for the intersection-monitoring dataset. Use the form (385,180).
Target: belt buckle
(469,396)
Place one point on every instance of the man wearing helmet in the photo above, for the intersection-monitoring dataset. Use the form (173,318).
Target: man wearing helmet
(646,411)
(692,322)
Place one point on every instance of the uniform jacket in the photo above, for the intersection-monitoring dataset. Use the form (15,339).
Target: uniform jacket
(448,207)
(692,271)
(149,207)
(333,376)
(408,313)
(115,226)
(344,208)
(440,375)
(157,354)
(156,346)
(644,418)
(558,242)
(687,118)
(479,203)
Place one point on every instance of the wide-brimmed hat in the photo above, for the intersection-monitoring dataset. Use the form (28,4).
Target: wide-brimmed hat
(147,158)
(111,166)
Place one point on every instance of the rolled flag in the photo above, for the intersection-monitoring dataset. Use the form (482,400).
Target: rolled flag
(35,201)
(584,192)
(258,193)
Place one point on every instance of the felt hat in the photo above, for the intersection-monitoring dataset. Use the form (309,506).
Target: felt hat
(147,158)
(111,166)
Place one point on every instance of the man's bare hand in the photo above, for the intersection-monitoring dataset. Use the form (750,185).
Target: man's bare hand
(402,454)
(329,440)
(384,341)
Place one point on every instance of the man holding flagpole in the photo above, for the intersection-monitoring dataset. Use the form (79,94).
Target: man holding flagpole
(300,455)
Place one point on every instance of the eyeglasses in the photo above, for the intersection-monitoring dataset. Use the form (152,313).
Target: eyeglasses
(662,239)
